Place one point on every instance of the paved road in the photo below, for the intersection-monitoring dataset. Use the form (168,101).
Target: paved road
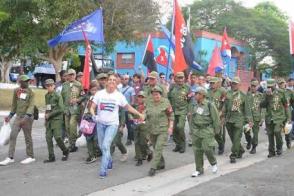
(74,177)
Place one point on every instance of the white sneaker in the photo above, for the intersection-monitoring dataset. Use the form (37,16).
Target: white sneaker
(124,157)
(6,161)
(28,160)
(214,169)
(196,173)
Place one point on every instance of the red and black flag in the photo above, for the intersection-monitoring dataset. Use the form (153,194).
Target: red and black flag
(291,37)
(86,71)
(184,54)
(148,58)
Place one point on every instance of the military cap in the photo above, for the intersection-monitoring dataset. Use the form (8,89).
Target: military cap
(101,75)
(254,82)
(156,89)
(271,82)
(141,93)
(153,74)
(201,90)
(180,75)
(214,80)
(236,80)
(24,78)
(80,74)
(281,80)
(71,71)
(49,82)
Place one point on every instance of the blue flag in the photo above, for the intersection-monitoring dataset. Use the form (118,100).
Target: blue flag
(167,34)
(91,24)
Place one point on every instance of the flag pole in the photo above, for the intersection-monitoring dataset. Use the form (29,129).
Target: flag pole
(171,37)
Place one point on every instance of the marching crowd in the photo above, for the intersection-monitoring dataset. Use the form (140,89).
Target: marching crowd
(154,110)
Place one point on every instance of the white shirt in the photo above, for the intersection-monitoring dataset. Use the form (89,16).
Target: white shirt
(108,105)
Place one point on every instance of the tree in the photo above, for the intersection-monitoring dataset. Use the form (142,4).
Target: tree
(44,19)
(263,28)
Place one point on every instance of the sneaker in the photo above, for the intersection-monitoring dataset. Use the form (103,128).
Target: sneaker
(124,157)
(109,166)
(6,161)
(214,169)
(90,160)
(28,160)
(102,175)
(196,173)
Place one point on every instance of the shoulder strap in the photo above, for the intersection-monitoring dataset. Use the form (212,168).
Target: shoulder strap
(125,90)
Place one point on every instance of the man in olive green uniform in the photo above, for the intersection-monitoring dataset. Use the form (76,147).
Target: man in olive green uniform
(254,99)
(23,107)
(71,94)
(141,132)
(205,123)
(159,119)
(277,113)
(53,121)
(236,111)
(152,82)
(216,95)
(178,97)
(289,97)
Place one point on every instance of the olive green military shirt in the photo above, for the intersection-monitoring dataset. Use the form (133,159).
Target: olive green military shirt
(217,97)
(54,106)
(23,102)
(158,115)
(236,108)
(178,97)
(147,90)
(254,100)
(277,107)
(71,90)
(202,116)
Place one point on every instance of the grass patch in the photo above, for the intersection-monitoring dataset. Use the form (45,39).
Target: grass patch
(6,98)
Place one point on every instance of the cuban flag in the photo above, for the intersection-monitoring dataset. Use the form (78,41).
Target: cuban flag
(225,48)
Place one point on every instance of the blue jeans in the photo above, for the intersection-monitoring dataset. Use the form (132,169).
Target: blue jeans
(106,134)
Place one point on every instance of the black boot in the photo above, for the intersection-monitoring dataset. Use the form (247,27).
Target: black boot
(151,172)
(50,160)
(253,150)
(139,162)
(221,149)
(73,148)
(288,141)
(177,149)
(65,156)
(150,156)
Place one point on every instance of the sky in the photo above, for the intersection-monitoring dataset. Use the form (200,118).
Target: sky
(286,6)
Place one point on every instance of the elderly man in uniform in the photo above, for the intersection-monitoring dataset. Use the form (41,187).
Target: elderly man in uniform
(152,82)
(178,97)
(237,113)
(216,94)
(72,97)
(53,121)
(23,107)
(277,113)
(205,123)
(102,78)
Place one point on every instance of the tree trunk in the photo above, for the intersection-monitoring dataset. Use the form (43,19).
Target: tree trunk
(5,71)
(55,57)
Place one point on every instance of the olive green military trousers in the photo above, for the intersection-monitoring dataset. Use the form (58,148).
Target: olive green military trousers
(158,141)
(179,131)
(203,146)
(274,131)
(235,131)
(53,129)
(71,122)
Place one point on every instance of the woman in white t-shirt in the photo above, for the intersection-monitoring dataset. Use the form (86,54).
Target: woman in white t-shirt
(107,103)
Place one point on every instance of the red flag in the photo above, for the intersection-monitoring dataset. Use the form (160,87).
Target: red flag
(225,48)
(86,76)
(291,37)
(215,62)
(148,58)
(181,32)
